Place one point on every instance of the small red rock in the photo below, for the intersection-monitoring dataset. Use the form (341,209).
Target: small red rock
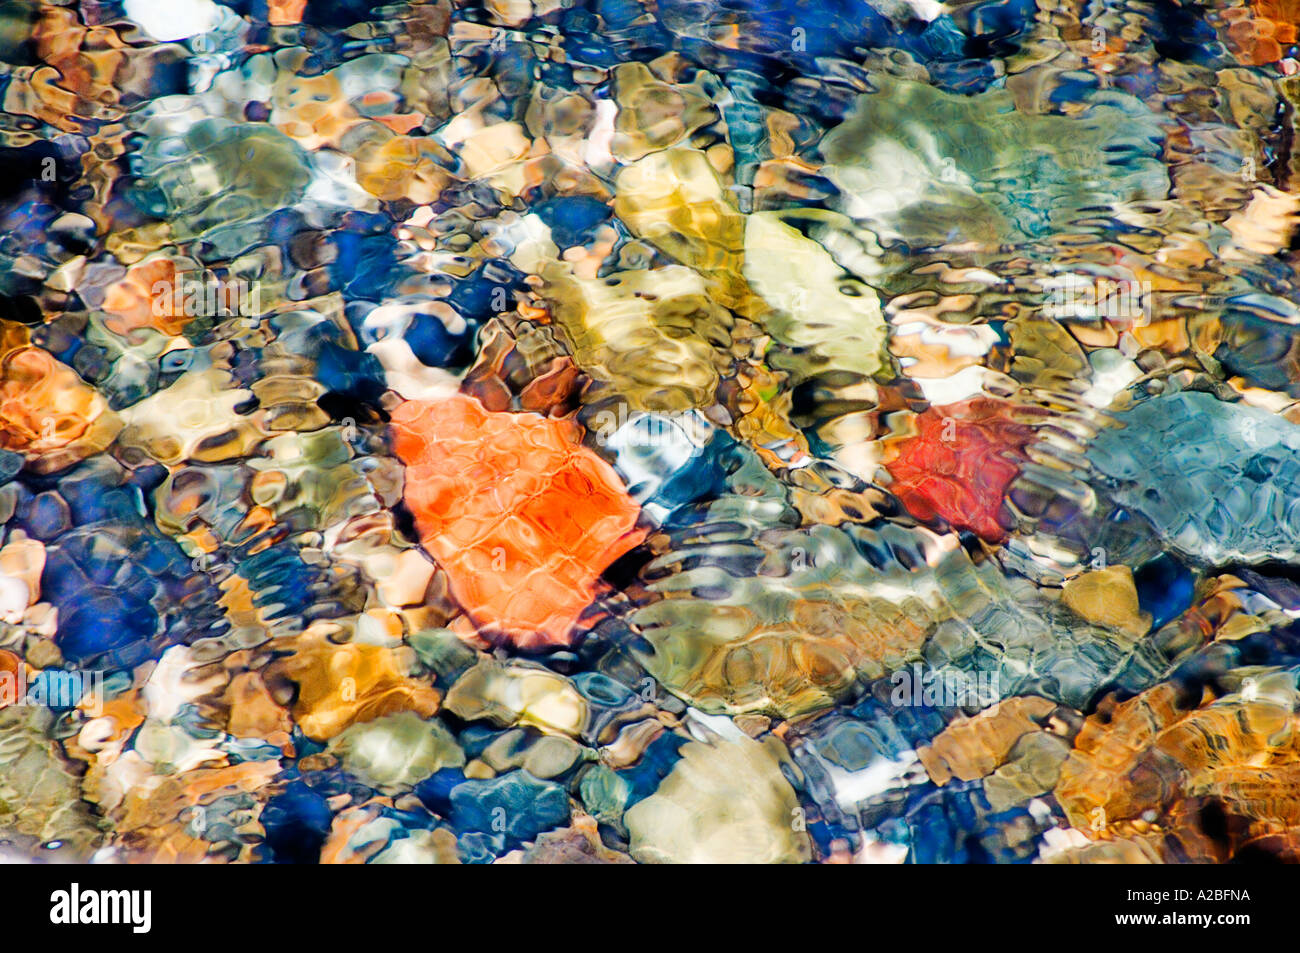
(959,464)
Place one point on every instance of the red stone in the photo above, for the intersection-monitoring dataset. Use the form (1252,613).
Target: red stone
(959,464)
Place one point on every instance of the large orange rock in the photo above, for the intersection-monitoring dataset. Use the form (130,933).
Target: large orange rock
(49,414)
(519,514)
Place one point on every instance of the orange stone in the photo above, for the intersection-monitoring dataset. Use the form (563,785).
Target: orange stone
(341,685)
(146,298)
(521,516)
(10,677)
(1259,32)
(285,12)
(50,414)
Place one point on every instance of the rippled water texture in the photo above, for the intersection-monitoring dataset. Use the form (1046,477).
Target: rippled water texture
(610,430)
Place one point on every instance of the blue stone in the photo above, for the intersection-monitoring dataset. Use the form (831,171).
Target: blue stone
(297,823)
(515,804)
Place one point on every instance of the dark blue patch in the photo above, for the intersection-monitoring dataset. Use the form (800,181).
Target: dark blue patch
(435,346)
(434,791)
(573,220)
(1165,588)
(296,823)
(353,374)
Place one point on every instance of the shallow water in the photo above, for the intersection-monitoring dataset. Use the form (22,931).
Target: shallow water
(552,432)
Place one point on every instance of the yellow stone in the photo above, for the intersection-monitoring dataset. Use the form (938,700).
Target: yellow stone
(651,335)
(674,200)
(340,685)
(819,308)
(655,115)
(1108,597)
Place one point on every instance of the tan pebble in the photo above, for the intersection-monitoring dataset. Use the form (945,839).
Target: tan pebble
(407,583)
